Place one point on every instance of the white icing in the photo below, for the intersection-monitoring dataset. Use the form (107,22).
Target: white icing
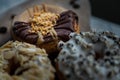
(90,56)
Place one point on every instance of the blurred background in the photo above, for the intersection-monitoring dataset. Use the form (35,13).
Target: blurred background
(105,15)
(106,9)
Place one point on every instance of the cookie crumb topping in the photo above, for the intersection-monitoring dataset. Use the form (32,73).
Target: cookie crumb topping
(90,56)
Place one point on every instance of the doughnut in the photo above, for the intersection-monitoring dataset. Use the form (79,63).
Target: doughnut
(23,61)
(45,26)
(90,56)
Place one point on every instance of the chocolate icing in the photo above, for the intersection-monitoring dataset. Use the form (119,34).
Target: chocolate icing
(65,25)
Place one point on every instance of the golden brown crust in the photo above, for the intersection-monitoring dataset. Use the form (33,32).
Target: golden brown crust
(24,16)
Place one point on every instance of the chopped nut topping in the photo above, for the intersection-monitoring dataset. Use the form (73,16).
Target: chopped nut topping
(43,21)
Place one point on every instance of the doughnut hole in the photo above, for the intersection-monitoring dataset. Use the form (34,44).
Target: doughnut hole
(13,65)
(99,50)
(13,61)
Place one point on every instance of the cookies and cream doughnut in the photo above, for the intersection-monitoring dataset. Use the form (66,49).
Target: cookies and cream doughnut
(90,56)
(44,26)
(23,61)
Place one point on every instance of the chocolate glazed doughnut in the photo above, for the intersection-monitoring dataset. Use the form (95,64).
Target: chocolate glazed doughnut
(63,24)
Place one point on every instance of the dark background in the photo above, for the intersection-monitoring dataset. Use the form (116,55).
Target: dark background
(106,9)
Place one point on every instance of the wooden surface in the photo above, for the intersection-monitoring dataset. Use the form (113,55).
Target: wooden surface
(83,13)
